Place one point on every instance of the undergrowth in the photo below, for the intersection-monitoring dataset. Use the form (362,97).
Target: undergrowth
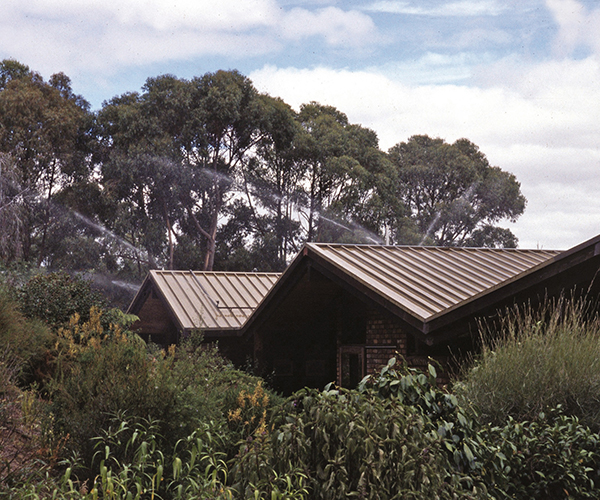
(533,360)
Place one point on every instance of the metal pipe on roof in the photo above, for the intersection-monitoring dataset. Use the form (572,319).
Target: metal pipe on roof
(215,304)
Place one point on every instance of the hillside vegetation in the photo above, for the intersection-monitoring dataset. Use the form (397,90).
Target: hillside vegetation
(90,411)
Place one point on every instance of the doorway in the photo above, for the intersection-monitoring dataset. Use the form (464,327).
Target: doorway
(351,363)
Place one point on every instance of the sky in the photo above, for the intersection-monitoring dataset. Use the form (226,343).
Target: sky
(519,78)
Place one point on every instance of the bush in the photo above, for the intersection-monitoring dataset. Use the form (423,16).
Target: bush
(108,372)
(28,342)
(554,457)
(538,360)
(55,297)
(353,444)
(101,373)
(397,436)
(443,415)
(210,388)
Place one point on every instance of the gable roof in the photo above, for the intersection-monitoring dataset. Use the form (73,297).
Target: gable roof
(429,288)
(210,301)
(427,282)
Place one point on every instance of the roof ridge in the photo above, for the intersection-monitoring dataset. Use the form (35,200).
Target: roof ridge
(187,271)
(432,247)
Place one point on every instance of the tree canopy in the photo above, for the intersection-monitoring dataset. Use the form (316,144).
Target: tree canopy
(453,195)
(209,173)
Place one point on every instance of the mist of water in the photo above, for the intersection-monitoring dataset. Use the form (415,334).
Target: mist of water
(355,229)
(107,232)
(431,228)
(465,197)
(128,286)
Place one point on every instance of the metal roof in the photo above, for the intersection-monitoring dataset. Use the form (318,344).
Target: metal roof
(427,282)
(212,300)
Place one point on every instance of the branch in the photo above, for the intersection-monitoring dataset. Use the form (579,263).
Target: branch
(198,226)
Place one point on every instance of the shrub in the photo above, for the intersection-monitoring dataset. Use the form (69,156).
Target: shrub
(554,457)
(133,466)
(396,436)
(209,388)
(28,342)
(22,449)
(535,360)
(107,372)
(55,297)
(353,444)
(419,393)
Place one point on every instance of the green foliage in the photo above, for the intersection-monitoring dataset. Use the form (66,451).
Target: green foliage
(133,467)
(453,194)
(350,444)
(44,129)
(554,457)
(533,360)
(103,372)
(25,341)
(397,436)
(419,392)
(55,297)
(148,180)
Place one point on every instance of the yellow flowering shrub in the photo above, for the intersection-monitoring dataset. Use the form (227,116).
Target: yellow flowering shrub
(250,415)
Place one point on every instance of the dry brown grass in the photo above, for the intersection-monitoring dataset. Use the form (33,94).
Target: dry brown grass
(21,452)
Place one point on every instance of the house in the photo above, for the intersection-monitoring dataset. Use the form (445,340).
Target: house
(341,311)
(171,304)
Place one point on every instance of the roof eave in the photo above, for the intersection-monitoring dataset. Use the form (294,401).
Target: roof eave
(535,276)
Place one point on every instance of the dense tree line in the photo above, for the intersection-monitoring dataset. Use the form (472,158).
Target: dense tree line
(208,173)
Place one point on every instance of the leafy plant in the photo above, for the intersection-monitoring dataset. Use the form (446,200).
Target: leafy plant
(553,457)
(26,342)
(102,373)
(351,443)
(441,411)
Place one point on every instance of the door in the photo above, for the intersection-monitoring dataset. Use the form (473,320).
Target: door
(351,365)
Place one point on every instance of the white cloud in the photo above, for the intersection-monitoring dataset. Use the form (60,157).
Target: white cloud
(457,8)
(577,27)
(432,67)
(335,25)
(156,14)
(545,130)
(476,37)
(105,35)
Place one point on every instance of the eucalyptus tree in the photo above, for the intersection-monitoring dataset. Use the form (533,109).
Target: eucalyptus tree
(45,129)
(223,131)
(172,155)
(141,169)
(346,176)
(272,182)
(453,195)
(12,211)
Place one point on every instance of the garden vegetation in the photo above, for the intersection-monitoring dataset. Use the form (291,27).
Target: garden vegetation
(89,411)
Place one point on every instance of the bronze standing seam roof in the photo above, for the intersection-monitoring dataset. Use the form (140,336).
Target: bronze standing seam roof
(212,300)
(429,281)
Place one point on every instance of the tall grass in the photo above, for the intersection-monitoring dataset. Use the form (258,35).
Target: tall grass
(536,359)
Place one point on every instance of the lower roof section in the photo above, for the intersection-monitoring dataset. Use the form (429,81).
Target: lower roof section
(209,301)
